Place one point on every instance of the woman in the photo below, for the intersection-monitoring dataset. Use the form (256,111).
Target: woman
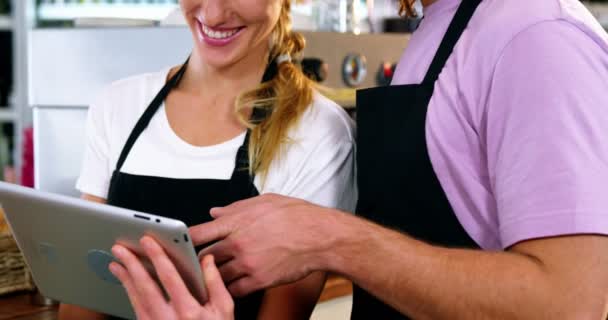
(481,176)
(176,157)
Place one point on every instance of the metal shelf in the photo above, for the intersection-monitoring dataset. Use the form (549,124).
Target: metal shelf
(155,12)
(6,22)
(7,114)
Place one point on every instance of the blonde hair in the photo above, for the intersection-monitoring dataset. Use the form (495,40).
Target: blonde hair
(407,8)
(284,98)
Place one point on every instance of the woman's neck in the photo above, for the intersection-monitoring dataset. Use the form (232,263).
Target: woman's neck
(244,75)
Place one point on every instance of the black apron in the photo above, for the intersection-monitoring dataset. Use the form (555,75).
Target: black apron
(398,187)
(188,200)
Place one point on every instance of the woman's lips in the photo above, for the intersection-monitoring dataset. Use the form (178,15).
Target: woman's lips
(218,37)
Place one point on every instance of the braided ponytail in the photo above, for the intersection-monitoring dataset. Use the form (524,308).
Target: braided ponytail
(285,98)
(407,8)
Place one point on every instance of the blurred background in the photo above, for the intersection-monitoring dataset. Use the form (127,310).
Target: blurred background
(35,64)
(55,55)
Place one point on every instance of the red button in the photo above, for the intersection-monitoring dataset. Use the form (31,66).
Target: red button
(388,70)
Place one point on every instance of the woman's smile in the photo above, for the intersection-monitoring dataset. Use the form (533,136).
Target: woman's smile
(218,36)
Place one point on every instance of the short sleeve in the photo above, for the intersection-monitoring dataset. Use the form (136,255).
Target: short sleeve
(96,172)
(547,134)
(319,165)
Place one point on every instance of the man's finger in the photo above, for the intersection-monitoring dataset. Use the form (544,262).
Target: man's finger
(231,271)
(123,276)
(244,286)
(218,294)
(211,231)
(233,208)
(246,205)
(173,283)
(221,251)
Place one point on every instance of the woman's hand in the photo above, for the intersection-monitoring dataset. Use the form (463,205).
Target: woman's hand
(147,298)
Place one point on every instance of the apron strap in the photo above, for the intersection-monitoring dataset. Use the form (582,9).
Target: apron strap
(271,71)
(242,159)
(241,168)
(147,116)
(259,114)
(457,26)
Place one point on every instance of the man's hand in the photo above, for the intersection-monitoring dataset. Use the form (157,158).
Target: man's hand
(265,241)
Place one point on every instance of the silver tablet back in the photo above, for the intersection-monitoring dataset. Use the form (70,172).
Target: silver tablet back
(67,241)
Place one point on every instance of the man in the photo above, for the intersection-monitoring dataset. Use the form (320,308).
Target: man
(510,158)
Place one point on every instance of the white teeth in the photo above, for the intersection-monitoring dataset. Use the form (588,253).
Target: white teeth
(218,34)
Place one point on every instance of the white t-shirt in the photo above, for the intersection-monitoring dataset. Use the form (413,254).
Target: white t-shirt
(318,166)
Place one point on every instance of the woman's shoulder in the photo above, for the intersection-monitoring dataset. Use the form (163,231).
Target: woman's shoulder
(325,118)
(130,94)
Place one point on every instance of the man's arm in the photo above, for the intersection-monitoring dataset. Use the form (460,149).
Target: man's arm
(542,137)
(553,278)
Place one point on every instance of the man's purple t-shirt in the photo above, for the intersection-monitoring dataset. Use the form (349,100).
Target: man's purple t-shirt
(517,129)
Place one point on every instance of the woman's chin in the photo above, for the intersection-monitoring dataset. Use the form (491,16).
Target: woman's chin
(217,62)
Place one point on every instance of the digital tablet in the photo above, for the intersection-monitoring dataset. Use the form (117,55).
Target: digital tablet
(67,241)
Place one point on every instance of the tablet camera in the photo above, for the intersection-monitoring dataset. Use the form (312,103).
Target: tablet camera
(48,252)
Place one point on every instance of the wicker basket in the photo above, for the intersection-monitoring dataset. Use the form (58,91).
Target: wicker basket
(14,274)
